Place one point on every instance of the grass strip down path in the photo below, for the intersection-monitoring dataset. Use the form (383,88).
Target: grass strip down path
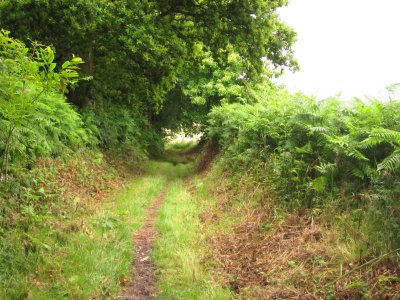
(180,251)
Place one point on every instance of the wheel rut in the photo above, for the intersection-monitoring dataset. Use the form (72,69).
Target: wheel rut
(142,286)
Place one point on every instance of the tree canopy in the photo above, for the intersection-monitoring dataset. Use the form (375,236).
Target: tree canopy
(144,54)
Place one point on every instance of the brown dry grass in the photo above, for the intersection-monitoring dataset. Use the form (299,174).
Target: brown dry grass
(80,183)
(84,177)
(295,257)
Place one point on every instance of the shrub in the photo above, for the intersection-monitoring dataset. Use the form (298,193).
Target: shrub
(35,119)
(314,152)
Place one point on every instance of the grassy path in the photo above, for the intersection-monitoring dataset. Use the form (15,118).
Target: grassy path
(174,268)
(90,255)
(153,222)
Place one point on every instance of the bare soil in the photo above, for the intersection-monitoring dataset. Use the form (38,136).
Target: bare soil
(207,156)
(142,286)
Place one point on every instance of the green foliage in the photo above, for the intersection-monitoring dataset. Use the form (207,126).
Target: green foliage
(34,118)
(139,52)
(380,136)
(313,152)
(204,85)
(253,29)
(210,84)
(116,127)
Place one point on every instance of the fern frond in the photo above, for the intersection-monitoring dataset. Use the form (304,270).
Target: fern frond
(335,140)
(391,163)
(369,143)
(382,135)
(352,152)
(362,171)
(358,173)
(319,129)
(327,168)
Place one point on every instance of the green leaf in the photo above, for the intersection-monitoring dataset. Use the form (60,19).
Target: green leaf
(52,67)
(66,64)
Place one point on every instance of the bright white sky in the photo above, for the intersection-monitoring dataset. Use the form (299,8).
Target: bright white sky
(350,47)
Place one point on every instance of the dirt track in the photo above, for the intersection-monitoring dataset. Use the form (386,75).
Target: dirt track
(143,281)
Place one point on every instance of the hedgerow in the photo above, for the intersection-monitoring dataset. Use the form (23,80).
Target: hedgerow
(318,153)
